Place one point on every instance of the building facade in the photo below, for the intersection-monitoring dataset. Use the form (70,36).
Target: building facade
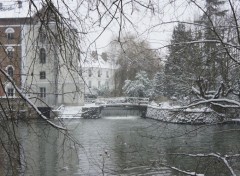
(11,54)
(98,75)
(37,57)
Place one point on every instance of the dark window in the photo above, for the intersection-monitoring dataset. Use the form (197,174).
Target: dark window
(10,92)
(10,33)
(42,56)
(10,71)
(10,54)
(10,36)
(42,75)
(99,84)
(107,74)
(99,73)
(19,4)
(89,72)
(42,37)
(42,92)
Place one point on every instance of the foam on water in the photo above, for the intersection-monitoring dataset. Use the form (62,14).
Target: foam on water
(121,117)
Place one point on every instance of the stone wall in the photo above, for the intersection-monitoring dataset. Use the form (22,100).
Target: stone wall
(17,108)
(91,112)
(181,116)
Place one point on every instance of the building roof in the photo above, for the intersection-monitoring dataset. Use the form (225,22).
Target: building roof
(25,8)
(19,9)
(11,9)
(98,63)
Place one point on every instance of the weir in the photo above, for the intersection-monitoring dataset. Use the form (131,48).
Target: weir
(121,111)
(118,106)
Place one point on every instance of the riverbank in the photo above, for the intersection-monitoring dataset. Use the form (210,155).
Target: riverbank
(183,116)
(164,112)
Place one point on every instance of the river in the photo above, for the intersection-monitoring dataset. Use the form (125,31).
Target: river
(125,146)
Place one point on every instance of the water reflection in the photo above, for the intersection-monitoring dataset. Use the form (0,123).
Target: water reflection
(130,146)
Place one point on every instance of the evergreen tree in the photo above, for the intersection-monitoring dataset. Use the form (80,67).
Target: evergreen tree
(212,22)
(158,84)
(177,70)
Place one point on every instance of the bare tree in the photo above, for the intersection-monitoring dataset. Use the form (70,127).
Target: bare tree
(65,44)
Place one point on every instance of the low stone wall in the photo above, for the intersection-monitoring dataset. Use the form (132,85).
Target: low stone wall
(13,108)
(91,112)
(17,108)
(180,116)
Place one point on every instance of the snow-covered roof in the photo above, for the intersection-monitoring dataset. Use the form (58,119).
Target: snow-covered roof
(27,8)
(18,9)
(98,63)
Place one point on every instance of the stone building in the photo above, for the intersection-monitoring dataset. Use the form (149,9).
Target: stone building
(37,57)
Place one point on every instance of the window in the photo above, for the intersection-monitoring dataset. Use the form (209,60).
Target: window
(99,73)
(42,56)
(89,84)
(107,75)
(10,92)
(42,75)
(10,32)
(99,84)
(19,4)
(42,37)
(42,92)
(89,72)
(9,51)
(10,71)
(10,54)
(10,36)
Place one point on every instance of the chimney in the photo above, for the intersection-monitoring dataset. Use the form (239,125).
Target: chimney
(19,4)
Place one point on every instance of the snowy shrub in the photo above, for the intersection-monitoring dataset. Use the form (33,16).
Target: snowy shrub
(140,87)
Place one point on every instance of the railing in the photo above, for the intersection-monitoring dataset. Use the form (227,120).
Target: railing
(89,100)
(123,100)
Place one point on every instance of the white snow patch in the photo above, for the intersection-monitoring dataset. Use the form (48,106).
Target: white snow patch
(90,105)
(70,112)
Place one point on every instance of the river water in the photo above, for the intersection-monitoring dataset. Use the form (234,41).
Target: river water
(125,146)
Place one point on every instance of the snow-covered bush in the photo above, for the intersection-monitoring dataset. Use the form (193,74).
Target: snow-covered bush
(103,91)
(140,87)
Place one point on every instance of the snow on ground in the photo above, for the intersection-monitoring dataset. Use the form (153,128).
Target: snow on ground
(179,116)
(170,106)
(164,111)
(70,112)
(90,105)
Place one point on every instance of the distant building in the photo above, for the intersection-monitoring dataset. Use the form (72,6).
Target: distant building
(98,73)
(36,59)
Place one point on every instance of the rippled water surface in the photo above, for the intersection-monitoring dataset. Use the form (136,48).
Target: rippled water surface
(126,146)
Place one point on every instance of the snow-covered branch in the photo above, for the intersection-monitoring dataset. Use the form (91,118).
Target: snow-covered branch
(29,101)
(182,171)
(216,155)
(235,103)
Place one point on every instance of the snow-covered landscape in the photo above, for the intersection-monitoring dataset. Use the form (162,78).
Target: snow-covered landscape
(165,111)
(123,87)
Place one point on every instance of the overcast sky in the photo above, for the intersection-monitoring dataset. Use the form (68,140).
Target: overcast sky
(148,25)
(154,27)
